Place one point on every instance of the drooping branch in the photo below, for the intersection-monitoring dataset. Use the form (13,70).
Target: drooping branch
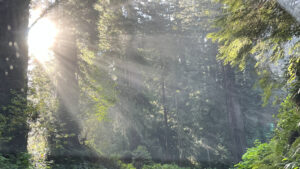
(44,13)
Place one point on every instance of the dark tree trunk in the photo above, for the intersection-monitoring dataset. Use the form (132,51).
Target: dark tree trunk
(13,74)
(165,112)
(235,118)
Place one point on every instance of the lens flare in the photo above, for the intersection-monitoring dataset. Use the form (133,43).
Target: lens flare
(41,39)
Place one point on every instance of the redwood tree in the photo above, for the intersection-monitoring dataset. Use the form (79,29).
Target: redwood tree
(13,75)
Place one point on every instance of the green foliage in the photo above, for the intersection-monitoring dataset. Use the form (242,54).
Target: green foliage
(163,166)
(259,30)
(141,156)
(20,161)
(154,166)
(252,159)
(282,150)
(13,121)
(141,54)
(128,166)
(139,57)
(263,32)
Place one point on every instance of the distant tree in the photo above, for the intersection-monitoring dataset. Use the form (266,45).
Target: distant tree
(169,83)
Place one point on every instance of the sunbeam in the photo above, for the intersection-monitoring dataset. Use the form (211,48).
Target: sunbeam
(41,38)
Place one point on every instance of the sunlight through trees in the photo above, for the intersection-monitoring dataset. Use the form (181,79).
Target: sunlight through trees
(149,84)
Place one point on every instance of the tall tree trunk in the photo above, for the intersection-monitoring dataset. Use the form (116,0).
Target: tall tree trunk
(165,112)
(13,74)
(235,119)
(68,89)
(68,95)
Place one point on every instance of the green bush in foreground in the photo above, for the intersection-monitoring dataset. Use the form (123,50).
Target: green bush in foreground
(164,166)
(283,150)
(20,161)
(155,166)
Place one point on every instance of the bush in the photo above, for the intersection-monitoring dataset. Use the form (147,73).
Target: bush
(163,166)
(20,161)
(283,150)
(141,156)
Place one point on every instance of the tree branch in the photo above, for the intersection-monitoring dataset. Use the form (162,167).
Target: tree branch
(44,13)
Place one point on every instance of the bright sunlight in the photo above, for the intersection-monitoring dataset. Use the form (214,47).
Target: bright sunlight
(41,38)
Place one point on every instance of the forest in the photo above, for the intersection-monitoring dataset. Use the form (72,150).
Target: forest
(150,84)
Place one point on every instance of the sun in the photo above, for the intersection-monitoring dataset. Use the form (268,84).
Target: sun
(41,39)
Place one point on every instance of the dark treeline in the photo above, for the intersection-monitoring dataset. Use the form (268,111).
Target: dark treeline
(149,84)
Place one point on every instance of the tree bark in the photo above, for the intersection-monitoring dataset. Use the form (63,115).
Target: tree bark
(13,74)
(235,118)
(165,112)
